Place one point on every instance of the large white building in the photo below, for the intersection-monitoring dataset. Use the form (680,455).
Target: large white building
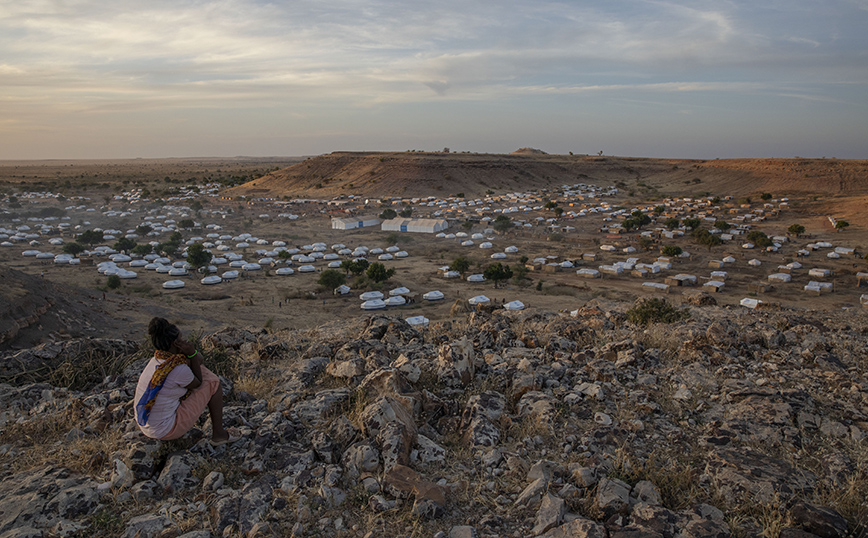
(428,226)
(350,223)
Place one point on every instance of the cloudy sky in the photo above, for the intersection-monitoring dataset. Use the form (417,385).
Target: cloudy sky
(697,79)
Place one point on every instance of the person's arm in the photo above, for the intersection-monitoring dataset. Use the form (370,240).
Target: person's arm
(194,360)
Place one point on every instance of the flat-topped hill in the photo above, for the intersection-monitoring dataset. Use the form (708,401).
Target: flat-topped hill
(444,174)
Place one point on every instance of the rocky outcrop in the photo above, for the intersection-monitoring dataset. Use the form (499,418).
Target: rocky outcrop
(511,424)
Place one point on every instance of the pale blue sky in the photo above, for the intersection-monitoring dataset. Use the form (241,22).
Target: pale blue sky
(701,79)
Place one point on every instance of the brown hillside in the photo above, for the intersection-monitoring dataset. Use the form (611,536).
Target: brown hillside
(445,174)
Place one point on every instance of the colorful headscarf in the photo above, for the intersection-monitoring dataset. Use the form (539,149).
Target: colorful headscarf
(146,402)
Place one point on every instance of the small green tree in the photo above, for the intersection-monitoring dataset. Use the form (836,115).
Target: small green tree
(73,249)
(356,267)
(559,211)
(143,249)
(672,223)
(497,273)
(692,223)
(659,209)
(704,237)
(722,225)
(460,264)
(841,224)
(197,256)
(502,223)
(124,245)
(388,214)
(284,255)
(196,206)
(378,272)
(551,204)
(759,239)
(90,237)
(144,229)
(655,310)
(766,196)
(186,223)
(671,250)
(406,213)
(331,279)
(467,225)
(796,229)
(113,282)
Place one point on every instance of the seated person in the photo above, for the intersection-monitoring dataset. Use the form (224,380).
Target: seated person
(175,388)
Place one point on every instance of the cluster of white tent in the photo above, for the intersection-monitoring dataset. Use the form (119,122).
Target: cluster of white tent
(375,300)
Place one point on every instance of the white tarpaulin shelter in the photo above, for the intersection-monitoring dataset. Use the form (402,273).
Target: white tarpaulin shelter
(479,299)
(428,226)
(351,223)
(514,305)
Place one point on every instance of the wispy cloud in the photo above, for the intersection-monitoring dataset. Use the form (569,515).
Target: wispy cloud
(92,57)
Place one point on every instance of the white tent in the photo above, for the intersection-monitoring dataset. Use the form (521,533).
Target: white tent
(435,295)
(373,304)
(173,284)
(476,278)
(479,299)
(514,305)
(369,295)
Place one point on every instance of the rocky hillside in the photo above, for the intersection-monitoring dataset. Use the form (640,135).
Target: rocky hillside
(30,304)
(411,174)
(727,423)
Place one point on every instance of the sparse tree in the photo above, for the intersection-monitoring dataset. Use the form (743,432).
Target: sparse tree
(113,282)
(388,214)
(502,223)
(124,245)
(460,264)
(759,239)
(671,250)
(143,249)
(186,223)
(766,196)
(73,249)
(497,272)
(197,256)
(144,229)
(722,225)
(841,224)
(331,279)
(672,223)
(692,223)
(796,229)
(90,237)
(378,272)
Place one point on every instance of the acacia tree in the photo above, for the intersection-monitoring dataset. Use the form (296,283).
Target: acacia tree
(796,229)
(124,244)
(378,272)
(73,249)
(497,273)
(197,256)
(90,237)
(502,223)
(331,279)
(460,264)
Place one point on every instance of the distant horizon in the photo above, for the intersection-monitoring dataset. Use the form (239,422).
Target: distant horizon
(293,157)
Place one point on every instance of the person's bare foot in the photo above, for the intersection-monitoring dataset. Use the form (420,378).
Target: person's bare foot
(223,436)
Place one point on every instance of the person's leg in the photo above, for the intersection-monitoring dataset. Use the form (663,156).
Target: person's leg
(215,405)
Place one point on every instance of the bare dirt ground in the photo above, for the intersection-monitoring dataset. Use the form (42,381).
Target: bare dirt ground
(265,300)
